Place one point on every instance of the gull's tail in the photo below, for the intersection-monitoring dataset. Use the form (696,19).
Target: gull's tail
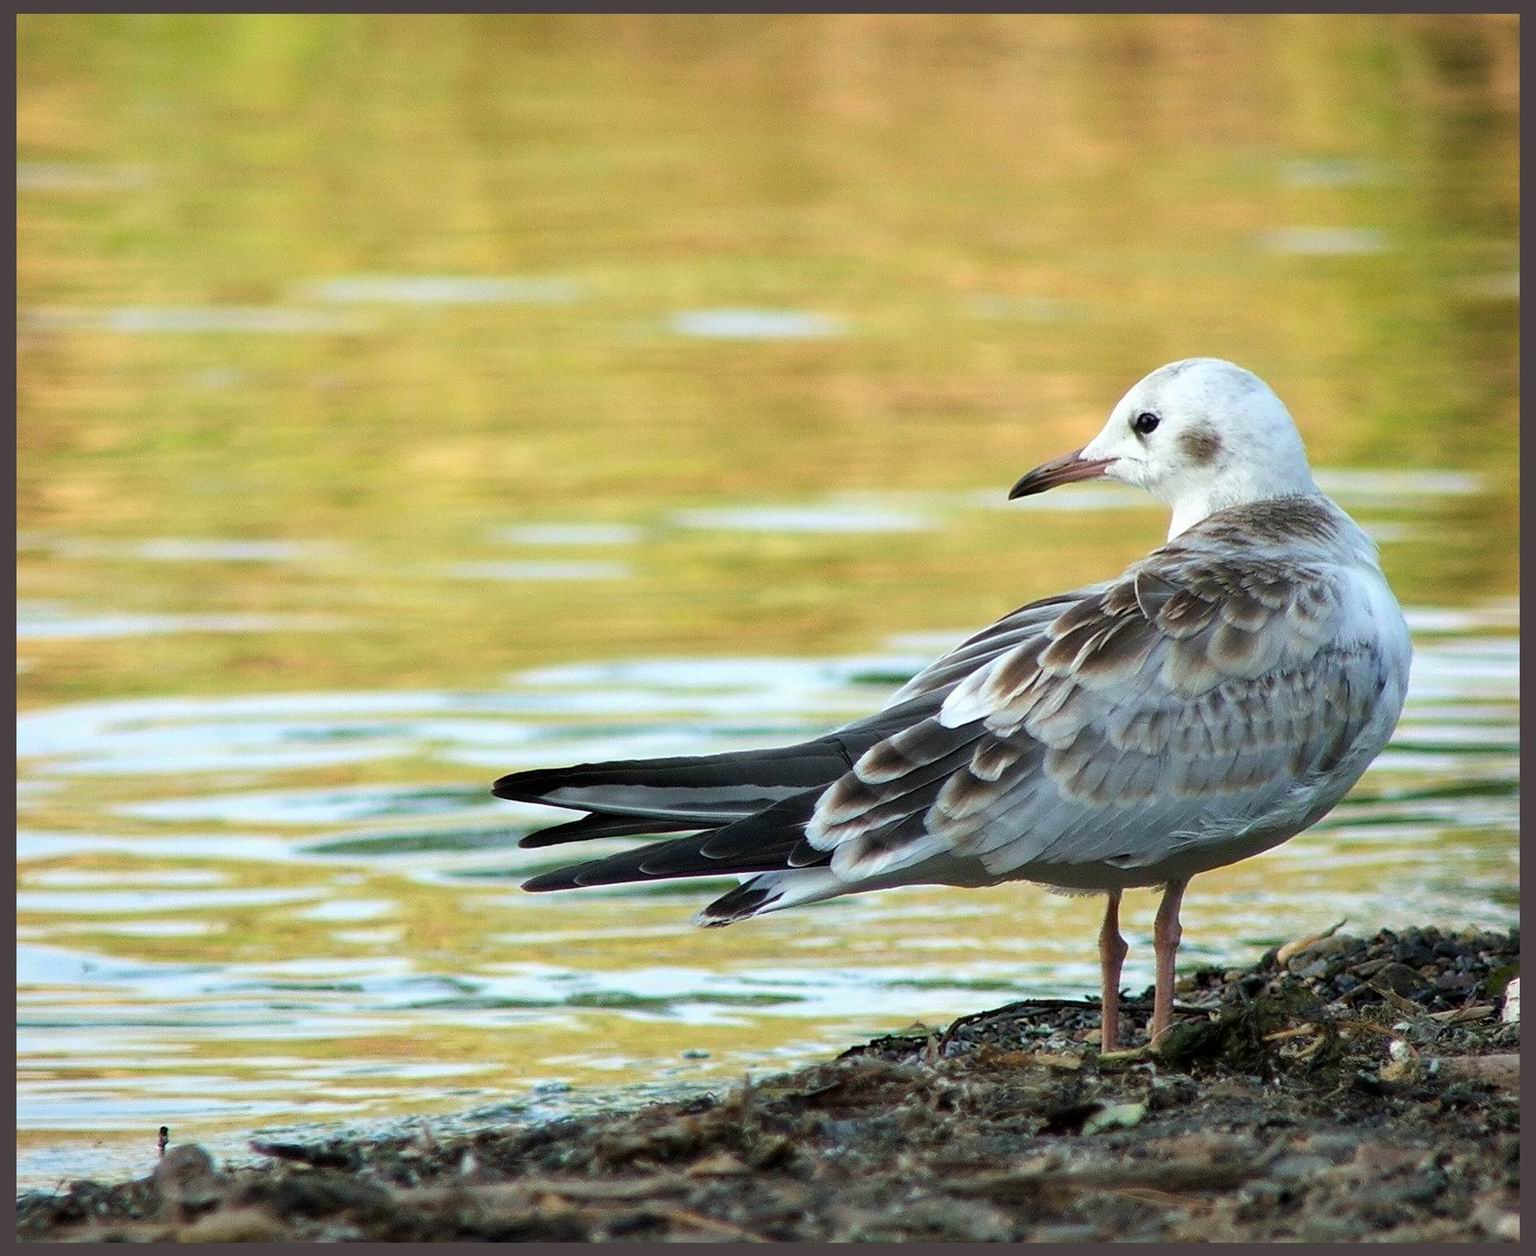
(752,806)
(742,813)
(629,796)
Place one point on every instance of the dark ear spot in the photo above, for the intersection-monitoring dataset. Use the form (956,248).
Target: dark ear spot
(1200,445)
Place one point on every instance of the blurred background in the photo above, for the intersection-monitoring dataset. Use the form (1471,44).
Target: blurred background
(404,400)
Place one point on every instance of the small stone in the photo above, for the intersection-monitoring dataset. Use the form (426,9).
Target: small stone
(1497,1222)
(235,1225)
(1335,1146)
(1403,1065)
(720,1164)
(187,1178)
(1209,1147)
(1172,1092)
(1297,1167)
(1322,1229)
(1067,1232)
(1380,1159)
(1412,955)
(1400,979)
(1118,1116)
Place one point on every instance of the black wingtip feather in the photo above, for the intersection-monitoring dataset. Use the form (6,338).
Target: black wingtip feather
(775,837)
(531,786)
(800,766)
(560,879)
(594,826)
(745,900)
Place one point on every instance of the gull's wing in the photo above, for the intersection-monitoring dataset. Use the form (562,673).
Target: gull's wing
(631,796)
(755,803)
(1197,698)
(979,649)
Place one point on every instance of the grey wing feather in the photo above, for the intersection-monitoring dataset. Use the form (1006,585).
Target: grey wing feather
(940,676)
(1187,700)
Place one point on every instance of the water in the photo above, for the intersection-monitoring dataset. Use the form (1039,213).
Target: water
(377,439)
(755,324)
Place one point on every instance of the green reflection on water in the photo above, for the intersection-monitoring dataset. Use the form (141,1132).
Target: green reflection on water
(385,287)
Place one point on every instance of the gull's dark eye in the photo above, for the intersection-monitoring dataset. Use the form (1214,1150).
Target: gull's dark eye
(1144,422)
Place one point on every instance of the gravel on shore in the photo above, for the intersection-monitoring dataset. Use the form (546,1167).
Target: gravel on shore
(1340,1089)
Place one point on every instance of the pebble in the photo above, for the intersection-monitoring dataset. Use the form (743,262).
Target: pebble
(1119,1116)
(1298,1166)
(1336,1147)
(1066,1234)
(1399,978)
(906,1138)
(1497,1222)
(236,1225)
(187,1177)
(1382,1158)
(1329,1229)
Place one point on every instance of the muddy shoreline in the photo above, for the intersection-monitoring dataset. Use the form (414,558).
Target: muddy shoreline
(1342,1089)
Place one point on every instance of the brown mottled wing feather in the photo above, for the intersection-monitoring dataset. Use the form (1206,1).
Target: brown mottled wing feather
(1178,704)
(981,648)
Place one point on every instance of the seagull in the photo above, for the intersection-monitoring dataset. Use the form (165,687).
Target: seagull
(1217,697)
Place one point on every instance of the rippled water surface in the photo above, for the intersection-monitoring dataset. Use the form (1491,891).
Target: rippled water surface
(404,401)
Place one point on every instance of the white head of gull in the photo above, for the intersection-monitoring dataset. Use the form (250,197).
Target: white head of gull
(1199,435)
(1216,698)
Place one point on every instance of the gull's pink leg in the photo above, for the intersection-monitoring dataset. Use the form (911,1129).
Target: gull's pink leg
(1111,955)
(1165,942)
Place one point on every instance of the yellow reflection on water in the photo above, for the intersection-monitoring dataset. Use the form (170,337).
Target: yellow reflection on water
(317,312)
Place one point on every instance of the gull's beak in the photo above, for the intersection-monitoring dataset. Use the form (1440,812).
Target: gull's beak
(1063,470)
